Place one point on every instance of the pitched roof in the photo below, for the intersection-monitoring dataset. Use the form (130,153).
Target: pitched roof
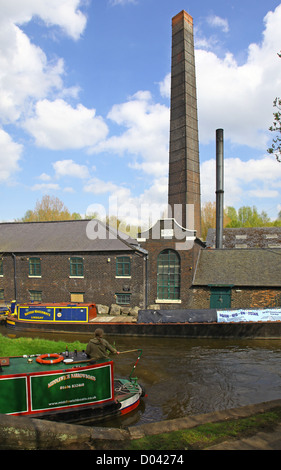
(62,236)
(247,267)
(247,237)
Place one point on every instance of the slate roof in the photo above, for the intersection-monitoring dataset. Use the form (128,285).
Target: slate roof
(61,236)
(247,237)
(247,267)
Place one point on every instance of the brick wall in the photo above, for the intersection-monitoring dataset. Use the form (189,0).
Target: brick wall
(200,297)
(187,261)
(99,283)
(256,297)
(241,297)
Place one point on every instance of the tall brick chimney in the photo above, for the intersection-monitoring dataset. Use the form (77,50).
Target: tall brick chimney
(184,168)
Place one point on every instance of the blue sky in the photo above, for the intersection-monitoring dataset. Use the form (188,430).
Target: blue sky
(84,101)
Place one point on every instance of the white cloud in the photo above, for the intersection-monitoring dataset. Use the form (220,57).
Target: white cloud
(25,73)
(70,168)
(68,189)
(57,125)
(254,178)
(165,86)
(218,22)
(45,187)
(65,14)
(45,177)
(264,193)
(146,139)
(122,2)
(239,97)
(143,209)
(10,153)
(97,186)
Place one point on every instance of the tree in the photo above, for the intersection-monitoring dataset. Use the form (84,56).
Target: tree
(49,208)
(233,217)
(247,217)
(276,128)
(208,218)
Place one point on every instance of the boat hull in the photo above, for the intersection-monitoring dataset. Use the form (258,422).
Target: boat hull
(260,330)
(95,414)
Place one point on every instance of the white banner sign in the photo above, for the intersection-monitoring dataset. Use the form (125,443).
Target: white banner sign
(262,315)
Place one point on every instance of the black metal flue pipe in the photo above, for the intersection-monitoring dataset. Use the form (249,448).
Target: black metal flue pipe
(219,187)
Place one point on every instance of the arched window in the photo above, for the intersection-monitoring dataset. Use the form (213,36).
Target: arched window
(168,275)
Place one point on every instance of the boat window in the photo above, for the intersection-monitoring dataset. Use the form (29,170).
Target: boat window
(168,275)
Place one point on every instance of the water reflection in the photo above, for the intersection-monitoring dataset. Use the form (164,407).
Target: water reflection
(184,377)
(187,376)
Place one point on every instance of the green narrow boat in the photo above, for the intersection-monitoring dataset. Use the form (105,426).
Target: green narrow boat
(69,389)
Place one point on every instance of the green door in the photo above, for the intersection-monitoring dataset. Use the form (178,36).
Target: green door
(220,297)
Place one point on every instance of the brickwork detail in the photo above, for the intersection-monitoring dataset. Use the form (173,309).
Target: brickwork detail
(184,171)
(99,283)
(241,297)
(188,259)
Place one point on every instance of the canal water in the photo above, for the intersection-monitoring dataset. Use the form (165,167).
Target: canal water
(185,377)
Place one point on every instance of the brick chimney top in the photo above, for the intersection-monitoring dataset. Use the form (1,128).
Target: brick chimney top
(180,16)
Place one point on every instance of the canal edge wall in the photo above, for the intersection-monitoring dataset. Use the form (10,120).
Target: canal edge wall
(23,433)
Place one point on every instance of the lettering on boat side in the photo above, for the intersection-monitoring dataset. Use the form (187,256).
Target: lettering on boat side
(32,312)
(62,389)
(76,375)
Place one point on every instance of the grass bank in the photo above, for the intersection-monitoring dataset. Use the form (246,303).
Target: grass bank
(209,434)
(22,346)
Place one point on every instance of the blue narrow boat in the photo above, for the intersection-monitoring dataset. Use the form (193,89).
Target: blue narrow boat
(52,312)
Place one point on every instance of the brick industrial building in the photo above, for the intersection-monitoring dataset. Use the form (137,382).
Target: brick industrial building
(58,262)
(168,266)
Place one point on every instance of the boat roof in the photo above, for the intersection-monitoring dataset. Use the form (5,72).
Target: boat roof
(28,365)
(56,304)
